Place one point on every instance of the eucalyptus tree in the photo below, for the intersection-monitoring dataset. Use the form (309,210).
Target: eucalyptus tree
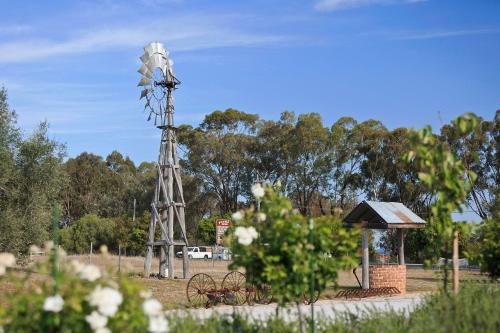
(478,151)
(344,179)
(218,152)
(309,148)
(372,136)
(270,151)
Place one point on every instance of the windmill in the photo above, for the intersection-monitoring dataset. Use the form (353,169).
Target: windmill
(167,207)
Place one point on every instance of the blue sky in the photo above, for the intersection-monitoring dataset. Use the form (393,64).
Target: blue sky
(405,62)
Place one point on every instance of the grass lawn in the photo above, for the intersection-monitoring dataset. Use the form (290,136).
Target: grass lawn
(172,293)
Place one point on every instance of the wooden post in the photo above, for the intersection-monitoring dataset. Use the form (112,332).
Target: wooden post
(119,258)
(365,259)
(401,247)
(90,255)
(455,263)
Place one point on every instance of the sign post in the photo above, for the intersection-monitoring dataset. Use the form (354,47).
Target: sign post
(221,225)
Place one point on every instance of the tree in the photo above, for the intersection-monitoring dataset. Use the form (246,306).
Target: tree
(218,153)
(9,140)
(311,156)
(89,229)
(489,255)
(477,150)
(445,176)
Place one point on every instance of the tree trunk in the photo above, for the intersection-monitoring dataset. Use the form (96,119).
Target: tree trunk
(455,263)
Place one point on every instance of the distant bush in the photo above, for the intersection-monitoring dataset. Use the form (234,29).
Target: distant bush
(90,228)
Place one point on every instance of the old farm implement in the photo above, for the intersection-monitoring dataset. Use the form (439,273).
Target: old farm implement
(202,291)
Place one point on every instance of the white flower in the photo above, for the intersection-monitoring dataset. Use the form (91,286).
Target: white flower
(157,324)
(2,270)
(76,266)
(107,300)
(151,307)
(90,273)
(245,235)
(96,321)
(261,217)
(237,216)
(7,259)
(258,191)
(102,330)
(53,303)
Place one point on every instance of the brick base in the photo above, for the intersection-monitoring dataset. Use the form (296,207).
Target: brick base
(388,276)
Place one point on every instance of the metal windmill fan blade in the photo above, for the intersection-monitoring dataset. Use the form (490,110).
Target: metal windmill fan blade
(145,71)
(154,48)
(144,93)
(145,58)
(156,61)
(144,82)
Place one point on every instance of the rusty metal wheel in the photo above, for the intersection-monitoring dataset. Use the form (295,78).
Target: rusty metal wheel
(306,298)
(234,288)
(199,288)
(263,294)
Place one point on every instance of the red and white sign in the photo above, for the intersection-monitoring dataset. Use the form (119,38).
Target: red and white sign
(221,225)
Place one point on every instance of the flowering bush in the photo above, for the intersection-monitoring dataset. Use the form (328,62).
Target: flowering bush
(276,247)
(77,298)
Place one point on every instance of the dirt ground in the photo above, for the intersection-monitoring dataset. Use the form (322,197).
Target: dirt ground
(172,293)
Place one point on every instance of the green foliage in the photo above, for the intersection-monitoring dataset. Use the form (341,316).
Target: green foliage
(90,228)
(30,180)
(489,255)
(23,306)
(282,254)
(206,230)
(444,175)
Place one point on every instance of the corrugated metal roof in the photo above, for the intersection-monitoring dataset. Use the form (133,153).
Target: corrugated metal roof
(394,212)
(384,214)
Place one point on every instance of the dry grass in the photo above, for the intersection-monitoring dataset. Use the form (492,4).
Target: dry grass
(172,293)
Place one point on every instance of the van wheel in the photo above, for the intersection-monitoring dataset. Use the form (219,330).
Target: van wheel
(206,256)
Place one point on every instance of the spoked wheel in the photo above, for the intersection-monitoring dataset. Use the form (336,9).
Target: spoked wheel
(234,289)
(306,298)
(198,289)
(263,294)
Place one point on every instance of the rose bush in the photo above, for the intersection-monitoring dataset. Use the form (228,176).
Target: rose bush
(79,298)
(275,247)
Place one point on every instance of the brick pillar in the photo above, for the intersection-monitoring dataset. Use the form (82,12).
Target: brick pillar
(388,276)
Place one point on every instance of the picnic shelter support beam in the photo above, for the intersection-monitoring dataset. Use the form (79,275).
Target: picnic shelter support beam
(365,259)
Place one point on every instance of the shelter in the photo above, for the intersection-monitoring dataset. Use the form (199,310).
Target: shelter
(382,215)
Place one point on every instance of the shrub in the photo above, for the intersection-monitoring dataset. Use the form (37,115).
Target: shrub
(278,246)
(78,298)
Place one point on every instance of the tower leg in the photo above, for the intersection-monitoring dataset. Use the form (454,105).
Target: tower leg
(149,250)
(163,261)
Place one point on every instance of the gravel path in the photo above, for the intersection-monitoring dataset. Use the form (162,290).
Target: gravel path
(325,309)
